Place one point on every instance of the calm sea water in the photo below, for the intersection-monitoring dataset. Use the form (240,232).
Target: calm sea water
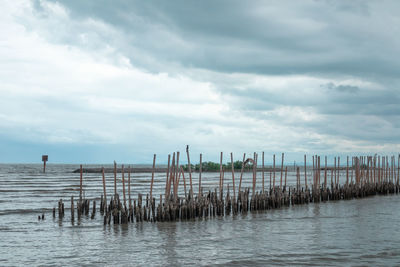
(362,232)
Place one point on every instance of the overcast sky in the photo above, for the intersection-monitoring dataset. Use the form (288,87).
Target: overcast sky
(93,81)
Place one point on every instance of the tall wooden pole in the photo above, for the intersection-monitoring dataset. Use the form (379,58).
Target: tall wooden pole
(200,171)
(241,173)
(273,169)
(115,179)
(190,169)
(104,187)
(167,175)
(263,188)
(152,177)
(283,156)
(80,184)
(233,177)
(305,170)
(220,174)
(123,184)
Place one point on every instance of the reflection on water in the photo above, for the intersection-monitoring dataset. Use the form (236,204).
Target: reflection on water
(355,232)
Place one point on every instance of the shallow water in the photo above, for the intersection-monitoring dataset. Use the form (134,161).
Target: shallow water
(362,232)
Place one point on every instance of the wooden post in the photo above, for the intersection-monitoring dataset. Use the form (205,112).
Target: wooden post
(80,184)
(255,172)
(45,158)
(241,173)
(123,185)
(190,169)
(347,171)
(325,174)
(319,172)
(273,169)
(129,186)
(283,156)
(152,177)
(104,188)
(167,182)
(171,176)
(115,179)
(334,170)
(201,169)
(338,172)
(184,181)
(177,171)
(263,188)
(72,209)
(285,176)
(233,177)
(220,174)
(305,170)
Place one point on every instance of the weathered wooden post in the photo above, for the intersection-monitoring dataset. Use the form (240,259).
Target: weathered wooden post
(45,158)
(123,184)
(80,184)
(241,173)
(190,169)
(104,189)
(220,174)
(233,177)
(305,170)
(201,169)
(273,184)
(263,188)
(152,177)
(167,179)
(283,156)
(115,179)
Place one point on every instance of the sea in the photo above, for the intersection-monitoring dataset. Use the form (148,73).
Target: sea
(358,232)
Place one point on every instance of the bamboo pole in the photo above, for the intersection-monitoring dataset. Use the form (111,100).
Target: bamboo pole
(200,171)
(285,176)
(313,169)
(184,182)
(190,169)
(338,172)
(319,172)
(283,156)
(166,181)
(241,173)
(233,178)
(152,177)
(104,187)
(273,169)
(129,186)
(123,185)
(80,183)
(305,170)
(263,188)
(325,174)
(177,170)
(220,174)
(115,180)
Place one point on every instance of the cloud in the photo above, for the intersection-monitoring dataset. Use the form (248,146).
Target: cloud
(146,76)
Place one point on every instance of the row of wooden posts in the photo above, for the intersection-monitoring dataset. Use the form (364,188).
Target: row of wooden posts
(366,176)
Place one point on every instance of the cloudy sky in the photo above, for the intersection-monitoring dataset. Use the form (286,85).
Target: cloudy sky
(93,81)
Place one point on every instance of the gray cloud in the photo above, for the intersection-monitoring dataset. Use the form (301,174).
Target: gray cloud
(279,75)
(273,37)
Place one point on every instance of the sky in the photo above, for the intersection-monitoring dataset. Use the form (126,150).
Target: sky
(96,81)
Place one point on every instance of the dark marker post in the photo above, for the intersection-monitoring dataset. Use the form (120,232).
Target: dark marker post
(45,158)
